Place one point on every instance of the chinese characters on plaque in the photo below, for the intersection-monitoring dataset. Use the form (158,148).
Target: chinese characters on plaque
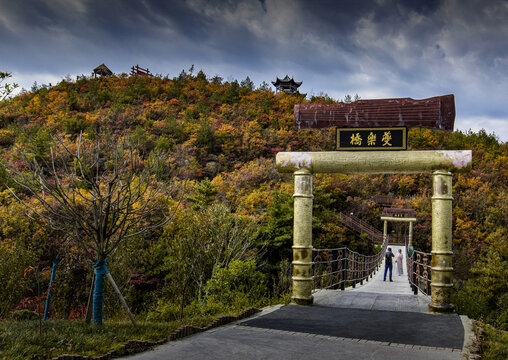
(372,139)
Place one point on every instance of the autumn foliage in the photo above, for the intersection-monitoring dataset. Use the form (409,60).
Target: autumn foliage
(222,137)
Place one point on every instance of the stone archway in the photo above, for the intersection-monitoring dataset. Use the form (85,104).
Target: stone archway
(398,216)
(439,163)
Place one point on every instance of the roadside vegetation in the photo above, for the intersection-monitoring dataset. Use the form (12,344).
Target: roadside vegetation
(495,345)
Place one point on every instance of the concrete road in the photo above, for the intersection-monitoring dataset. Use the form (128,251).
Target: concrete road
(245,342)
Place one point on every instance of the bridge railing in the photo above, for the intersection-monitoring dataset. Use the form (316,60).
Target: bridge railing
(419,271)
(341,267)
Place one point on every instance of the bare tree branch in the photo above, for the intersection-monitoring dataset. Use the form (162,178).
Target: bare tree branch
(98,190)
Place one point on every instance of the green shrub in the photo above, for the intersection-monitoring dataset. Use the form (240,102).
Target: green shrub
(11,273)
(164,144)
(164,311)
(282,286)
(485,295)
(230,290)
(495,346)
(468,301)
(7,137)
(21,315)
(74,125)
(239,283)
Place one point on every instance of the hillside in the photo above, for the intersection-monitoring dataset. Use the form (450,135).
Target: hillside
(222,138)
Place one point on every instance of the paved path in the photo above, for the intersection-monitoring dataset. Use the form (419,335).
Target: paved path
(379,320)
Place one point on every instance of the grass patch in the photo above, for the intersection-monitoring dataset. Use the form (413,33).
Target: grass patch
(21,339)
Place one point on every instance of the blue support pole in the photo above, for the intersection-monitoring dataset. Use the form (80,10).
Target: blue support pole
(50,289)
(100,270)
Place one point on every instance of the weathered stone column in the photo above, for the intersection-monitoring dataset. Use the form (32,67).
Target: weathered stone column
(385,232)
(441,242)
(410,240)
(302,239)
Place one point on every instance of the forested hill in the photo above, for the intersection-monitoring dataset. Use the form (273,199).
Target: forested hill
(223,137)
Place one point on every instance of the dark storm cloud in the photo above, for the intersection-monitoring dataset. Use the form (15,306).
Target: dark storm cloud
(377,48)
(140,19)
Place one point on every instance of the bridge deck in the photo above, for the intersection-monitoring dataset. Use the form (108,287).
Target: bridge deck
(377,294)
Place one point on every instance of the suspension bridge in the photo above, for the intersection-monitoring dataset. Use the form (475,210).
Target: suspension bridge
(375,293)
(355,315)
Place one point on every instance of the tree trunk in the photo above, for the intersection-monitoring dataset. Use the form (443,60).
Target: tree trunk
(98,291)
(183,300)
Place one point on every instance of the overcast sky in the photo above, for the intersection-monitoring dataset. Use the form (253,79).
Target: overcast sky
(375,48)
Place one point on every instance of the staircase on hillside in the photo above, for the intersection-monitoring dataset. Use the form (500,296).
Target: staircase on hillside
(384,200)
(359,227)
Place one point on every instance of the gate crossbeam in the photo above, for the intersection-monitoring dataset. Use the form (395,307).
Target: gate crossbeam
(374,162)
(398,219)
(439,163)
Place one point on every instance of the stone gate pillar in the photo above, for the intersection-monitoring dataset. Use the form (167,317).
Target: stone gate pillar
(441,283)
(302,238)
(410,239)
(385,233)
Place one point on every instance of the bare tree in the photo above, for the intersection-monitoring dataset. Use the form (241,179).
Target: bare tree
(99,191)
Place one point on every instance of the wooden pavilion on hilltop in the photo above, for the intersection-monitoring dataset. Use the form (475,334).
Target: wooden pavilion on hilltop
(102,70)
(289,86)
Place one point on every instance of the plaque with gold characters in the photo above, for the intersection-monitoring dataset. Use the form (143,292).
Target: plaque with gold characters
(394,138)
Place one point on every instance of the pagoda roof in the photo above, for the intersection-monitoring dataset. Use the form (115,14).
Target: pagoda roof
(286,80)
(102,70)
